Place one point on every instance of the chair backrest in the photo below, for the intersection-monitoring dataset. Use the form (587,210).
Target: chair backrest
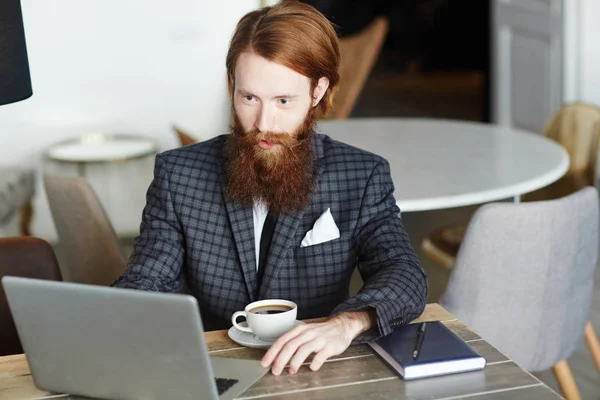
(184,138)
(358,55)
(88,244)
(523,277)
(27,257)
(576,126)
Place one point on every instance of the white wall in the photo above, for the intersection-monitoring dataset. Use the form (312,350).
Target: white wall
(582,50)
(119,66)
(590,51)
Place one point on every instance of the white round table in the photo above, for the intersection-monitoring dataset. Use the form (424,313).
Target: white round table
(438,164)
(101,148)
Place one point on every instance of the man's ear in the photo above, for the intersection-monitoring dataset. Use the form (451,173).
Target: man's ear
(230,86)
(320,90)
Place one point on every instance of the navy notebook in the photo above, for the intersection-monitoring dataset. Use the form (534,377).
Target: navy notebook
(442,352)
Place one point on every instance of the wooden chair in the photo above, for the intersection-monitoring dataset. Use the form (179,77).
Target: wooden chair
(27,257)
(89,247)
(184,138)
(576,126)
(358,54)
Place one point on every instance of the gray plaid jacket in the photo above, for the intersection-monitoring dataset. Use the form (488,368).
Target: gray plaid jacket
(193,239)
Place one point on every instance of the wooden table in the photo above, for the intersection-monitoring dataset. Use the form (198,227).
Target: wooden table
(356,374)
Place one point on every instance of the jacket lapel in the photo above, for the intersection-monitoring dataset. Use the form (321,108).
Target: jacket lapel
(284,236)
(242,226)
(241,220)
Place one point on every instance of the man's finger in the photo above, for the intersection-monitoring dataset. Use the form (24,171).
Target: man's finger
(279,343)
(303,352)
(320,358)
(289,350)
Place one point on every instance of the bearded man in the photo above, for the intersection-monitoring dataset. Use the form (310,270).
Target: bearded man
(226,220)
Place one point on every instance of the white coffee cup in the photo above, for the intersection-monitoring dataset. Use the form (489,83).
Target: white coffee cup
(267,319)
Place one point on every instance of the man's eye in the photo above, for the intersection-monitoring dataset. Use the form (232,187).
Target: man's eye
(249,98)
(283,101)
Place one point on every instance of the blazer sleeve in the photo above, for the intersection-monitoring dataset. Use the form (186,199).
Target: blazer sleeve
(157,259)
(395,285)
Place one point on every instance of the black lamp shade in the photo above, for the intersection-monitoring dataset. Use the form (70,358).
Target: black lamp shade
(15,82)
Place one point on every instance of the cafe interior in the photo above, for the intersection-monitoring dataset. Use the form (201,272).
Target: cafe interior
(487,110)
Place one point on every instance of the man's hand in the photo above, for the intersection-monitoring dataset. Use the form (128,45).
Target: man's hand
(326,339)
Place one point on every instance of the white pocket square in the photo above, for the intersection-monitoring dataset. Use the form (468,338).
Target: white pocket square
(323,230)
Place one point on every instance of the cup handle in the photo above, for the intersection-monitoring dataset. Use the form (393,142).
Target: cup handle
(234,318)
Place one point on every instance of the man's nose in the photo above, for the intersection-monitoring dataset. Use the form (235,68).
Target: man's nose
(265,121)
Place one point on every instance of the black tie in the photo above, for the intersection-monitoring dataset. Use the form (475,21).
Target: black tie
(265,243)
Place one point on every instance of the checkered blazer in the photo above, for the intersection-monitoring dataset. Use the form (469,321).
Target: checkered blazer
(192,238)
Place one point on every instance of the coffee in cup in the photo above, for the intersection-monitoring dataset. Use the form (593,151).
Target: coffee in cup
(270,309)
(267,319)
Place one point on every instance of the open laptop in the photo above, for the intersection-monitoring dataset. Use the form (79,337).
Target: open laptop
(114,343)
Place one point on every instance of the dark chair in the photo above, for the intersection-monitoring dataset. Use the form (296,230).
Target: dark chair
(27,257)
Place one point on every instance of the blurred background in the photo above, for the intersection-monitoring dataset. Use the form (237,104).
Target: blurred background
(138,67)
(156,70)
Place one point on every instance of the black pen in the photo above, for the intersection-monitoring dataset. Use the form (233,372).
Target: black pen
(419,342)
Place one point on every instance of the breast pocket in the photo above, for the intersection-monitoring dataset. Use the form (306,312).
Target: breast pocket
(326,264)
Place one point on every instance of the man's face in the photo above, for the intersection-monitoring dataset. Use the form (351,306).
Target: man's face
(269,151)
(269,97)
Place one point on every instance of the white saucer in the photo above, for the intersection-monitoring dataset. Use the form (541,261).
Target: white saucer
(248,339)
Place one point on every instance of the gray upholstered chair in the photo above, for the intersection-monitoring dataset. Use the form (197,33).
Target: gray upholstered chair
(89,247)
(524,276)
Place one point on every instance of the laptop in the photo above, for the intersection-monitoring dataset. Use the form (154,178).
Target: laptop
(114,343)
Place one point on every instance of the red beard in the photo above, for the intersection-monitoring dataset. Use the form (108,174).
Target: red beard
(283,176)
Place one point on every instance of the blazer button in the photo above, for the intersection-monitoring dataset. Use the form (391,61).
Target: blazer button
(396,322)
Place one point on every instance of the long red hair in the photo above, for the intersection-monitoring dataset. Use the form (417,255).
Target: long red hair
(292,34)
